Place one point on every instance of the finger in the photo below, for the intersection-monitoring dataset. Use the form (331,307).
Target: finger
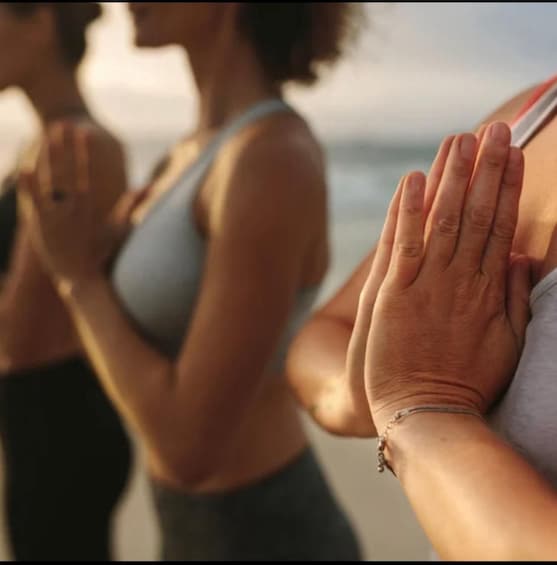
(499,244)
(24,186)
(82,142)
(382,258)
(480,134)
(518,297)
(67,161)
(29,191)
(435,174)
(368,295)
(447,208)
(43,166)
(481,202)
(55,148)
(408,247)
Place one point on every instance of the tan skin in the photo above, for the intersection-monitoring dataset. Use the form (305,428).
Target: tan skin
(475,497)
(210,420)
(35,328)
(319,367)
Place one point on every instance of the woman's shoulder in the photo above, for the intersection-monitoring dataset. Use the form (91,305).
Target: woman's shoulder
(507,111)
(281,147)
(277,163)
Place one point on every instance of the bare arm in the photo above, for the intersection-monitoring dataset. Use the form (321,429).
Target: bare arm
(447,331)
(317,359)
(325,365)
(474,496)
(258,237)
(28,300)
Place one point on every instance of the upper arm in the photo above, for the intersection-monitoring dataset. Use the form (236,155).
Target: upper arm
(260,224)
(344,303)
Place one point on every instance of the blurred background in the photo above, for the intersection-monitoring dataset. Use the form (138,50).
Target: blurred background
(420,71)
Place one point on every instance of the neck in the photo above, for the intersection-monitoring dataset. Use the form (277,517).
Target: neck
(55,94)
(229,79)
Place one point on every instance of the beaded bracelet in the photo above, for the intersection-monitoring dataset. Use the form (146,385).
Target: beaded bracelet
(400,414)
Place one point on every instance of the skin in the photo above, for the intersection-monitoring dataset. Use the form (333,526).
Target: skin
(463,293)
(35,328)
(210,420)
(320,369)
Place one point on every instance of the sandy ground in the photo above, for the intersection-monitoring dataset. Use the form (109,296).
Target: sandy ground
(385,524)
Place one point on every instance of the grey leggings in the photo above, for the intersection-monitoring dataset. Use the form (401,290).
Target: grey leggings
(290,515)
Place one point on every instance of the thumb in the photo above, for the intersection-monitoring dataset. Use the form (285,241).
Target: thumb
(28,194)
(519,285)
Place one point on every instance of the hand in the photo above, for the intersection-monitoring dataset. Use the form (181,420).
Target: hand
(360,423)
(450,316)
(72,233)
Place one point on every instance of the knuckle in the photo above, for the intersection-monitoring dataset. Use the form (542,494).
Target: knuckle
(481,217)
(461,168)
(511,179)
(503,231)
(447,225)
(494,159)
(410,248)
(412,210)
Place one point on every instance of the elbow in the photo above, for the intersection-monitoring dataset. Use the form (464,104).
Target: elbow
(189,467)
(339,424)
(299,370)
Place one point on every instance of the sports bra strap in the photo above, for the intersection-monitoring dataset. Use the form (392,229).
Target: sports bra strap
(534,112)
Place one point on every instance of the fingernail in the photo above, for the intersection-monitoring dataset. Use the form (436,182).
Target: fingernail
(415,182)
(467,146)
(499,132)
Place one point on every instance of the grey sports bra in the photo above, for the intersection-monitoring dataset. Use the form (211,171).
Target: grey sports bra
(158,271)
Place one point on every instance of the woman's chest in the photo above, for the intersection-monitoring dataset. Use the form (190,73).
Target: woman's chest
(536,234)
(157,273)
(526,415)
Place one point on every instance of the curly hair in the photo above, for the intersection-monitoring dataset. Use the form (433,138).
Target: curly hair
(294,40)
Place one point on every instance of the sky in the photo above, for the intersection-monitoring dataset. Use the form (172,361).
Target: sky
(419,71)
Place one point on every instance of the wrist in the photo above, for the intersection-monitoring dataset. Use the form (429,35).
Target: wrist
(413,440)
(384,410)
(74,289)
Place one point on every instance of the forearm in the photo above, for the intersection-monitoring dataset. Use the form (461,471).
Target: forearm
(474,496)
(316,364)
(137,378)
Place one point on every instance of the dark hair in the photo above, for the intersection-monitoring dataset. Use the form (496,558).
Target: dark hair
(72,20)
(294,39)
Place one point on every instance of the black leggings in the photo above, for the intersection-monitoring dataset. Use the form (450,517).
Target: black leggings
(67,459)
(290,515)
